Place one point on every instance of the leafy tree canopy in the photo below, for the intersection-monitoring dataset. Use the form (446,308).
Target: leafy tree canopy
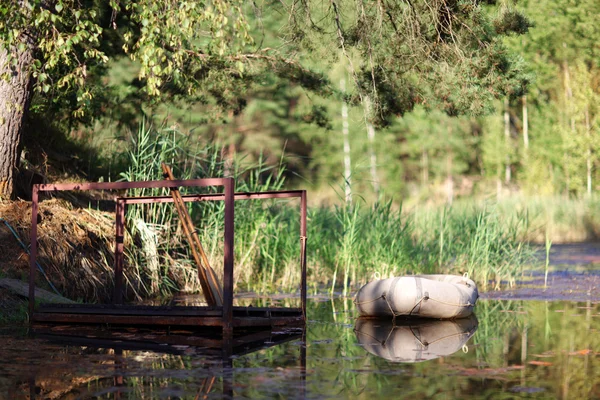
(442,53)
(445,54)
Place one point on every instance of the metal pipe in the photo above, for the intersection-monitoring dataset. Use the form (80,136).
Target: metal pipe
(119,247)
(130,185)
(215,197)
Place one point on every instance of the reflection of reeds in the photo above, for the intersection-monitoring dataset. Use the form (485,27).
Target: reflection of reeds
(548,246)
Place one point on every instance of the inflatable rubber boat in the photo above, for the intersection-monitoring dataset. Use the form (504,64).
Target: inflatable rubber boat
(427,296)
(414,340)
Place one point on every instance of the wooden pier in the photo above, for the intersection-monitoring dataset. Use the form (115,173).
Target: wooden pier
(226,317)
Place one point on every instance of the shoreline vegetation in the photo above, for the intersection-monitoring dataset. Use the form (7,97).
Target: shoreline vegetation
(348,244)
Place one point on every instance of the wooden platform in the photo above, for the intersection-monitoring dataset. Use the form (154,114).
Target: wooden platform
(134,315)
(226,317)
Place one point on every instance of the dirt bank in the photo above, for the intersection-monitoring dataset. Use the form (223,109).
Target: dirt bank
(75,247)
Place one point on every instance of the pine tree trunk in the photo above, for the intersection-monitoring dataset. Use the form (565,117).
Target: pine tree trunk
(15,95)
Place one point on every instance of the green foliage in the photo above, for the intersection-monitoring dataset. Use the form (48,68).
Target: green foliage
(65,34)
(444,55)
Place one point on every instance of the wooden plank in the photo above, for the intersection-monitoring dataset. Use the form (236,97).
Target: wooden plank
(126,319)
(22,289)
(129,311)
(208,279)
(185,310)
(156,320)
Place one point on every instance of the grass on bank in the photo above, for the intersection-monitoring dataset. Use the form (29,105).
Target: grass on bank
(347,245)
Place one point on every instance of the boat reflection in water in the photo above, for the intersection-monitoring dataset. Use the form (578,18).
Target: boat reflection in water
(414,340)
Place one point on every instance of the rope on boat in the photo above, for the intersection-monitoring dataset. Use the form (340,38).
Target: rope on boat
(10,228)
(426,297)
(358,303)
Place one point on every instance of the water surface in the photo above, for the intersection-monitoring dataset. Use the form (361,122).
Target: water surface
(543,346)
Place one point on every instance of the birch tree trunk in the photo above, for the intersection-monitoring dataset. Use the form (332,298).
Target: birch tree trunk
(525,125)
(346,134)
(449,167)
(372,155)
(425,168)
(15,95)
(588,155)
(570,118)
(507,138)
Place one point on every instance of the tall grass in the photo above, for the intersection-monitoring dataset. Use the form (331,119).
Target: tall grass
(347,245)
(260,246)
(479,241)
(562,219)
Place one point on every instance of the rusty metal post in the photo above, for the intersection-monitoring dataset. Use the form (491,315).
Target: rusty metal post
(119,244)
(303,251)
(33,250)
(228,258)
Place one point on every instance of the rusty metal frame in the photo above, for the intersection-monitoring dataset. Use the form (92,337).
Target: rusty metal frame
(228,197)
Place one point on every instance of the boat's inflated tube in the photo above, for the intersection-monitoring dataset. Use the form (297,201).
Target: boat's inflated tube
(429,296)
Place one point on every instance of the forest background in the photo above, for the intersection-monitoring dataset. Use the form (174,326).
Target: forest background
(431,135)
(538,140)
(544,141)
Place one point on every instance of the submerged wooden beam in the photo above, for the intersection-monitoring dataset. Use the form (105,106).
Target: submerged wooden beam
(22,289)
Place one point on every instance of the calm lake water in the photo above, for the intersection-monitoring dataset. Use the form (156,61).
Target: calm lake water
(514,348)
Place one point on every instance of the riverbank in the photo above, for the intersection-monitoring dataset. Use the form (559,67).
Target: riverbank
(347,245)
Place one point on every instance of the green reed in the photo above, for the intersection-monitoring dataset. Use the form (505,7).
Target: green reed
(479,241)
(347,245)
(259,247)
